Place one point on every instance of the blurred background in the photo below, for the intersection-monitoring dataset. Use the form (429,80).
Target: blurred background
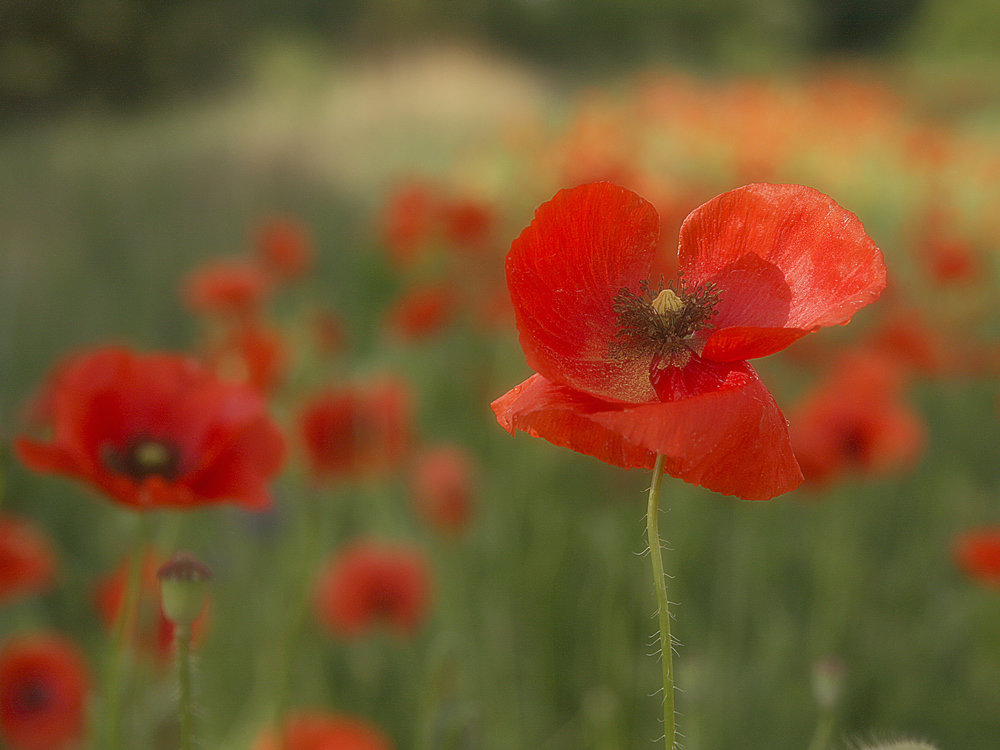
(142,140)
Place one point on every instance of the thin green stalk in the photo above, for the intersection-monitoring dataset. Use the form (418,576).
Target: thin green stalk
(183,635)
(662,603)
(111,728)
(823,733)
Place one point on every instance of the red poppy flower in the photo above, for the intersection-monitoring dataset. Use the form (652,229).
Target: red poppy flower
(370,584)
(467,223)
(408,221)
(978,554)
(422,312)
(314,731)
(43,687)
(156,431)
(442,487)
(285,247)
(152,631)
(627,371)
(856,421)
(357,431)
(227,287)
(27,563)
(252,354)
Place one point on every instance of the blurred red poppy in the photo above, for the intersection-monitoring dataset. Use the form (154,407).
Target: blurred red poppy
(43,690)
(627,370)
(978,554)
(408,221)
(442,487)
(252,354)
(27,562)
(467,223)
(373,583)
(315,731)
(227,287)
(152,632)
(158,431)
(357,431)
(422,312)
(856,421)
(285,247)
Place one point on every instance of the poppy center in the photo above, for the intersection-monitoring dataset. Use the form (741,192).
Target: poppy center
(665,324)
(32,695)
(144,457)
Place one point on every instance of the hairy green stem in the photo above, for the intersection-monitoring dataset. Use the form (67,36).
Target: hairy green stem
(662,603)
(183,635)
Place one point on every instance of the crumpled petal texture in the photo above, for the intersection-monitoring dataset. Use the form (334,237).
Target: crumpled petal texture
(733,441)
(563,273)
(787,260)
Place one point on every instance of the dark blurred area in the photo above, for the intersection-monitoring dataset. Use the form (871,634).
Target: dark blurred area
(128,53)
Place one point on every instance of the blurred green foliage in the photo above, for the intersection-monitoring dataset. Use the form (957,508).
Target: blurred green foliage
(126,52)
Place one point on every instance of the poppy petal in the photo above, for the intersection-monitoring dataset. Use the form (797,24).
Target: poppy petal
(786,260)
(564,272)
(734,441)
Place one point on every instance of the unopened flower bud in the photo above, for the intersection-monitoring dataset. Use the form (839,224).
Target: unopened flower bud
(900,745)
(183,587)
(828,683)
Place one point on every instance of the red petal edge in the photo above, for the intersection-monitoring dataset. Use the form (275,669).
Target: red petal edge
(563,273)
(787,260)
(730,441)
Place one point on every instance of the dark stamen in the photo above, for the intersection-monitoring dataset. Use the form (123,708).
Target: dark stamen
(143,457)
(663,331)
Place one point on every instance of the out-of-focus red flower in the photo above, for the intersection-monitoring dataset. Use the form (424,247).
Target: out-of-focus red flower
(627,371)
(977,553)
(43,690)
(905,337)
(285,247)
(467,223)
(151,631)
(856,421)
(443,487)
(330,333)
(408,221)
(315,731)
(370,584)
(948,256)
(422,311)
(252,354)
(27,563)
(357,431)
(158,431)
(227,287)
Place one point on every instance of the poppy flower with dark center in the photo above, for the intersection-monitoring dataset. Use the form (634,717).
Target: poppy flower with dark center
(857,421)
(43,688)
(357,432)
(628,368)
(316,731)
(27,562)
(978,554)
(370,584)
(158,431)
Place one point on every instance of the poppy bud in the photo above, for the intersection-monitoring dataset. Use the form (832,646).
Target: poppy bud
(900,745)
(827,683)
(183,586)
